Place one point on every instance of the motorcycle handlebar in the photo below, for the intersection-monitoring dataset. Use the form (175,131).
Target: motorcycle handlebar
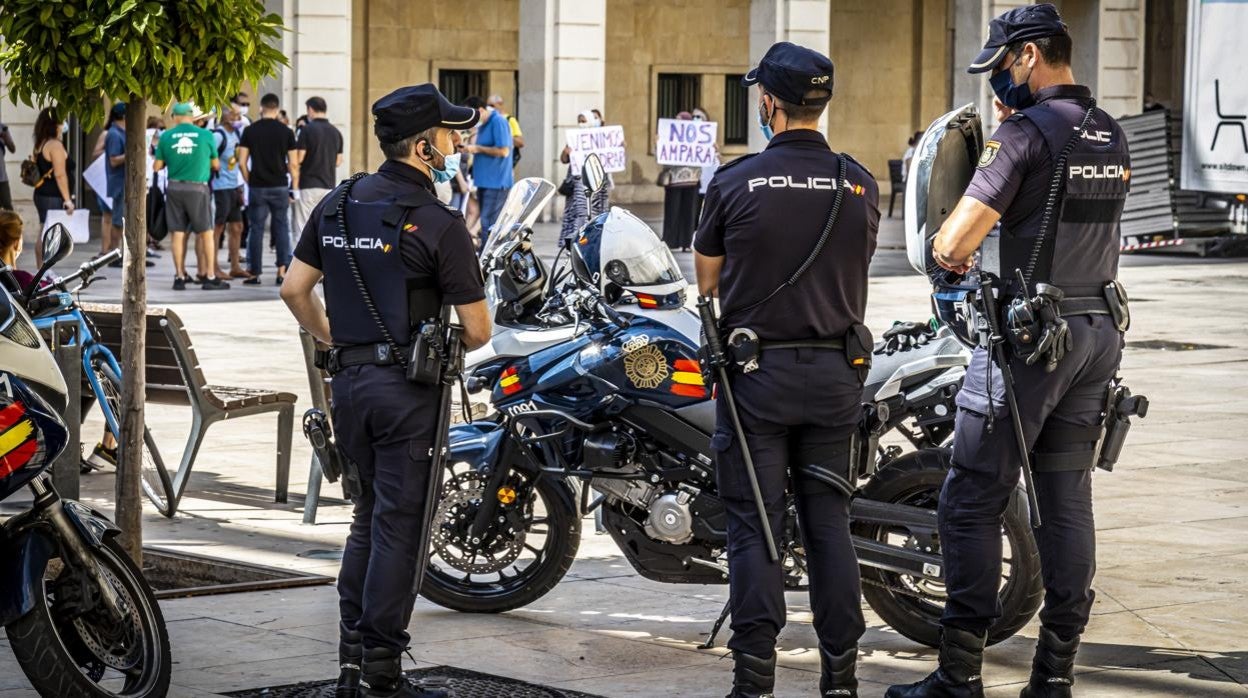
(612,314)
(85,271)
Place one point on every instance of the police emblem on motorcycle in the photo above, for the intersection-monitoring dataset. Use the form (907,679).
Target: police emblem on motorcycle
(644,364)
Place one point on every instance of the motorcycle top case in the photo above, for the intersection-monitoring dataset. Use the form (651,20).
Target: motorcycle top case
(940,171)
(647,361)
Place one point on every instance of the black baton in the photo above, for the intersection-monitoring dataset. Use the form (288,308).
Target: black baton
(997,342)
(452,366)
(715,350)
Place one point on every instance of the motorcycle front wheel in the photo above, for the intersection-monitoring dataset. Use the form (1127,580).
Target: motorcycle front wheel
(71,646)
(913,606)
(525,552)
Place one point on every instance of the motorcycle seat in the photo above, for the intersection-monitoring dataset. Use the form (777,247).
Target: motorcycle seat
(885,367)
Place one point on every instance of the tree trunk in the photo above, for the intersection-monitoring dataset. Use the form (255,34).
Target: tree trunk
(129,515)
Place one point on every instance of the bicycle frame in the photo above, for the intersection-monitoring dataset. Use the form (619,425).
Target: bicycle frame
(91,350)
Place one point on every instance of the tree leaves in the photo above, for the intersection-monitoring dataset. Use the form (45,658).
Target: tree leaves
(75,52)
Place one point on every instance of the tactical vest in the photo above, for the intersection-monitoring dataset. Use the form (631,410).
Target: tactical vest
(373,228)
(1080,250)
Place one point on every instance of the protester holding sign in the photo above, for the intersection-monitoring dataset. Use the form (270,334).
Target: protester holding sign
(680,181)
(577,207)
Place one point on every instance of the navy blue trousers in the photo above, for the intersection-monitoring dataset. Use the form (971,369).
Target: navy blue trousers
(799,407)
(986,470)
(385,424)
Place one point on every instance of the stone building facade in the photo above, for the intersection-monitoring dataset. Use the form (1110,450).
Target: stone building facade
(899,64)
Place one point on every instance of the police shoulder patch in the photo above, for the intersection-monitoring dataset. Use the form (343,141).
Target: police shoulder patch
(991,148)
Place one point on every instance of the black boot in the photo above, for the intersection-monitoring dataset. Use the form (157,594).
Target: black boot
(1053,669)
(838,680)
(753,677)
(383,677)
(961,660)
(350,656)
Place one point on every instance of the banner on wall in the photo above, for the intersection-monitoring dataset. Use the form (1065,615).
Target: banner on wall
(686,142)
(1215,104)
(606,141)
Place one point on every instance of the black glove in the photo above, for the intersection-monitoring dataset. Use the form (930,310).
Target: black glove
(1055,342)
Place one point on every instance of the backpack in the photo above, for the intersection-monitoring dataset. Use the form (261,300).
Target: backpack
(225,139)
(30,171)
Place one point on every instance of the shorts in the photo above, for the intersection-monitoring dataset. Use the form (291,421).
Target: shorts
(118,209)
(229,206)
(188,208)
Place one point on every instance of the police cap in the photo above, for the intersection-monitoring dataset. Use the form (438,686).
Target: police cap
(1026,23)
(789,71)
(409,110)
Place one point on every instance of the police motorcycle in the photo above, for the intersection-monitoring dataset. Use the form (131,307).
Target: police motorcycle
(618,401)
(80,617)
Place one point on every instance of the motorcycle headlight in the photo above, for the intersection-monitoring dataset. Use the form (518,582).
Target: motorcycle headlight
(19,329)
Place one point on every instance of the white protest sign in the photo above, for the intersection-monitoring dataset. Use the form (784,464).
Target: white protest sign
(97,178)
(1215,106)
(78,224)
(686,142)
(606,141)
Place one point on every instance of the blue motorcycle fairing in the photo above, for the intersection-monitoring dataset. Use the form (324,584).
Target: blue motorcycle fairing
(475,443)
(45,427)
(26,546)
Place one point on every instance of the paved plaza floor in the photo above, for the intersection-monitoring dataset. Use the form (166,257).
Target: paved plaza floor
(1171,613)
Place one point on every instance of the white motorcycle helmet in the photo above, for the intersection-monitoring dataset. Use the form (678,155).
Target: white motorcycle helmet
(618,252)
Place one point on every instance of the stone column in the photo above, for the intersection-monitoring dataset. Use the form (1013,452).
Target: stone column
(803,22)
(1120,57)
(562,72)
(318,47)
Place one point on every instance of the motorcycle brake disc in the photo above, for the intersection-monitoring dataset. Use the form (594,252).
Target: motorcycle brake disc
(461,496)
(113,644)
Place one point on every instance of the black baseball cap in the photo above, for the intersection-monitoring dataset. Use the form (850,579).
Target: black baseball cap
(409,110)
(1026,23)
(789,71)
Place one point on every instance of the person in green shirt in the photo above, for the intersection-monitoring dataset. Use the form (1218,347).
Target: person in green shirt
(190,153)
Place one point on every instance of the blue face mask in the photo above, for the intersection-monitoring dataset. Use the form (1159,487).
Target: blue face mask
(450,167)
(1011,95)
(764,125)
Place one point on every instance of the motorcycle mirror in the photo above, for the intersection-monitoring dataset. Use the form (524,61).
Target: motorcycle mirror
(593,174)
(57,245)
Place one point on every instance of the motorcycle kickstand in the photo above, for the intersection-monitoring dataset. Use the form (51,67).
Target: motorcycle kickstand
(719,623)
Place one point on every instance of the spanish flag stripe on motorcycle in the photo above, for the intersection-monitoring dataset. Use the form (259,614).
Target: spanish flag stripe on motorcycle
(688,390)
(10,415)
(18,457)
(687,365)
(687,378)
(15,436)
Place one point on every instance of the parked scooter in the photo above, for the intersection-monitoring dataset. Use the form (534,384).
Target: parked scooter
(588,387)
(80,618)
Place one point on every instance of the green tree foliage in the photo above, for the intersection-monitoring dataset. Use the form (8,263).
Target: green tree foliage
(72,52)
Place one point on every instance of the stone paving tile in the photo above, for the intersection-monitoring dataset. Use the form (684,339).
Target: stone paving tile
(555,654)
(701,681)
(1193,678)
(206,642)
(267,610)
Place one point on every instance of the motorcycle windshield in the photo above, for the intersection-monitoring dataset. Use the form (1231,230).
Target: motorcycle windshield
(942,166)
(524,204)
(634,255)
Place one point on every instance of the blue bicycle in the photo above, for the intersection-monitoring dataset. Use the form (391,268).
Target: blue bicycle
(55,303)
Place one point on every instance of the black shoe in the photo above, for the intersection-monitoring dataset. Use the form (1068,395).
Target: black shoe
(1053,669)
(252,281)
(382,677)
(753,677)
(115,264)
(200,278)
(350,657)
(839,679)
(280,279)
(214,284)
(179,283)
(958,676)
(147,263)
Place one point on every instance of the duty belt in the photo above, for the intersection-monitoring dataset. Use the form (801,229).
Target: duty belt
(830,344)
(1086,305)
(338,358)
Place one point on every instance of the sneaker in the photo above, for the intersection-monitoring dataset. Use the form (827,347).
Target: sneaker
(115,265)
(151,253)
(102,460)
(214,284)
(280,279)
(200,278)
(179,283)
(252,281)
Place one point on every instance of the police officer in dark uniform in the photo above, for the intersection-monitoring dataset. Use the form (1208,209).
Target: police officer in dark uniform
(764,217)
(391,256)
(1055,176)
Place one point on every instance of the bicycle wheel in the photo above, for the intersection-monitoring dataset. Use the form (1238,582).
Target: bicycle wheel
(157,484)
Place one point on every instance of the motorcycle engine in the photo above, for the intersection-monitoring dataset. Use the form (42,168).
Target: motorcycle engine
(668,515)
(670,519)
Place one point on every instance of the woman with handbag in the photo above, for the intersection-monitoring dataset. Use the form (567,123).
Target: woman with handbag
(48,170)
